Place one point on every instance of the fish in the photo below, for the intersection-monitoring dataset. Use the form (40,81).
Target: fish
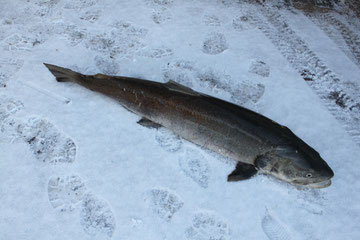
(256,143)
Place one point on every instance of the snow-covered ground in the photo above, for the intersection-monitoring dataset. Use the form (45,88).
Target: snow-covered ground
(75,164)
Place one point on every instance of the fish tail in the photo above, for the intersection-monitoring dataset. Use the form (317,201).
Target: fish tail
(64,74)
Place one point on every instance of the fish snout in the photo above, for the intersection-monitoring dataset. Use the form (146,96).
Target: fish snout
(327,173)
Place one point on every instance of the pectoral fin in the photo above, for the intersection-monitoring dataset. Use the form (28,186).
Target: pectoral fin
(148,123)
(242,171)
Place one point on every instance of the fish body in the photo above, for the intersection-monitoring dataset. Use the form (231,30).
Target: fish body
(254,141)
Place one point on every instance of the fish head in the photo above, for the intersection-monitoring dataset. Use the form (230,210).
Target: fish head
(297,166)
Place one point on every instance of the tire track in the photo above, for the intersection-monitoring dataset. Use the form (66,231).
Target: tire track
(354,5)
(347,40)
(340,97)
(313,4)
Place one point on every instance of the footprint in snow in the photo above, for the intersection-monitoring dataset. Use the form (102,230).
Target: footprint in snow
(7,68)
(168,140)
(312,200)
(101,42)
(186,73)
(164,203)
(19,42)
(73,33)
(260,68)
(123,40)
(180,71)
(97,218)
(161,16)
(207,226)
(159,52)
(42,8)
(196,167)
(79,4)
(107,66)
(214,44)
(8,107)
(244,22)
(273,229)
(248,92)
(66,192)
(46,142)
(47,3)
(163,3)
(211,20)
(91,16)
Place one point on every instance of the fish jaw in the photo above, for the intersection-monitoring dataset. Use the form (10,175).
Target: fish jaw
(299,184)
(323,184)
(316,185)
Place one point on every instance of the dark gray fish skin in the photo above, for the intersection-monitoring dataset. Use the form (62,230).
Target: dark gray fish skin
(228,129)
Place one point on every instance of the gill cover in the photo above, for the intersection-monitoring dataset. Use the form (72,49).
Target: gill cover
(295,166)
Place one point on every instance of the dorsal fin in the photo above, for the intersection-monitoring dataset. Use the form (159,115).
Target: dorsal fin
(177,87)
(102,76)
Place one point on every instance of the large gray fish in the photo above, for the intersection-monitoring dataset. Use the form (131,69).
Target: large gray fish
(257,143)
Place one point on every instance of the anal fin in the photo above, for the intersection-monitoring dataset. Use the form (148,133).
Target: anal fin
(242,171)
(148,123)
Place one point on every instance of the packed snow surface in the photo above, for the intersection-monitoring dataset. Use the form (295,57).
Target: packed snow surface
(75,164)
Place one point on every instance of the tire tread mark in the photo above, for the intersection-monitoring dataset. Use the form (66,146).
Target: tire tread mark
(346,35)
(341,98)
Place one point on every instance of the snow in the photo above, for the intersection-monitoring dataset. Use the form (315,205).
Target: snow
(76,165)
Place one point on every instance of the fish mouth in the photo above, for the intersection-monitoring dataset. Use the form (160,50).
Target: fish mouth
(322,184)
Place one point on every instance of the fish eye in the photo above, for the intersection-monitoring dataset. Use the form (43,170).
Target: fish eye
(308,175)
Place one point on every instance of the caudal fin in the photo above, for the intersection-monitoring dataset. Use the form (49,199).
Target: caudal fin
(63,74)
